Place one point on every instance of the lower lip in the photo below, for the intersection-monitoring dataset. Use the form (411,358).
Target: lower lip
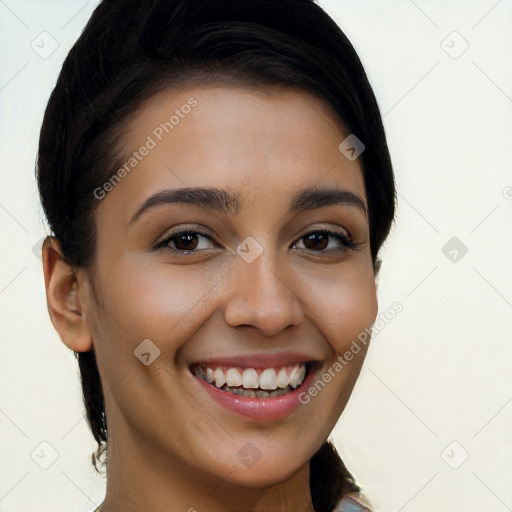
(263,409)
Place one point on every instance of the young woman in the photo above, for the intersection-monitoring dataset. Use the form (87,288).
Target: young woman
(218,185)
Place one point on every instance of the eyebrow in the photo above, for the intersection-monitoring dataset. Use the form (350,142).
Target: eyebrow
(229,203)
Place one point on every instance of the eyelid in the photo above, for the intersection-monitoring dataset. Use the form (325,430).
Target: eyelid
(330,228)
(199,230)
(345,240)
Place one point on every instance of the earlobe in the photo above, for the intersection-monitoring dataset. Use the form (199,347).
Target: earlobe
(63,296)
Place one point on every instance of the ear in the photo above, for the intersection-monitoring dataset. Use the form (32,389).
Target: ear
(63,296)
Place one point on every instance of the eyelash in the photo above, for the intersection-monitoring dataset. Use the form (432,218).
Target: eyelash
(346,242)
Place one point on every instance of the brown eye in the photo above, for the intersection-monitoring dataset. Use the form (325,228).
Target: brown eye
(186,241)
(316,241)
(319,241)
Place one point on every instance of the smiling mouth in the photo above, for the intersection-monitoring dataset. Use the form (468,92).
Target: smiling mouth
(252,382)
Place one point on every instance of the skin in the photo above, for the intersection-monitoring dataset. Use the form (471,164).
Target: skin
(170,447)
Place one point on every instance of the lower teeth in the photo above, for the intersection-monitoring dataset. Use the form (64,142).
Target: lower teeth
(259,393)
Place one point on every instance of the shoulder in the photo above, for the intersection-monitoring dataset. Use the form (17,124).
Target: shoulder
(352,503)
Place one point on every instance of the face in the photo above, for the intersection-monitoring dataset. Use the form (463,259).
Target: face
(256,280)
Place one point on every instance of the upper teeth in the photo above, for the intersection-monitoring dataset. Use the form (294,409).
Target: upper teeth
(250,378)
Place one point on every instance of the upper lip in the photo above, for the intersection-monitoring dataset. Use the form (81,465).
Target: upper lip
(257,360)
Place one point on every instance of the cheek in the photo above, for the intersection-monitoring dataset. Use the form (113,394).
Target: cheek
(143,301)
(158,301)
(344,307)
(166,303)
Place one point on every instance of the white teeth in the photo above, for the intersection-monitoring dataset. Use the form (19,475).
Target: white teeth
(297,376)
(302,373)
(220,378)
(282,378)
(251,379)
(247,382)
(233,378)
(268,379)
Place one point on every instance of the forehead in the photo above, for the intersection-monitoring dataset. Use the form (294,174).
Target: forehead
(260,143)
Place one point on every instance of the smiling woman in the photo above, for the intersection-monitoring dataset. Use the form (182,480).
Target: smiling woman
(218,185)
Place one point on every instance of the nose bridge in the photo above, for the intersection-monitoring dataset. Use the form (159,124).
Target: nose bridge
(261,296)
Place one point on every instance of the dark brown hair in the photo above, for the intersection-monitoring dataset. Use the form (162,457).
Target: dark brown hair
(132,49)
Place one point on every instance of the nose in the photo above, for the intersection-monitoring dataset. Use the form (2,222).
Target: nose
(262,297)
